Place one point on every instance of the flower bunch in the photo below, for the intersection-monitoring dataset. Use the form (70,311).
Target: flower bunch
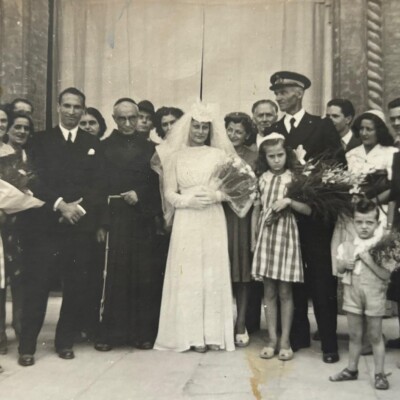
(326,187)
(14,172)
(235,178)
(386,252)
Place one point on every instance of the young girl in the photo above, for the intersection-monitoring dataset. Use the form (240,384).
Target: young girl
(277,257)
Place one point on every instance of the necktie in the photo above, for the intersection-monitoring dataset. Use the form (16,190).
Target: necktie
(343,144)
(69,140)
(292,122)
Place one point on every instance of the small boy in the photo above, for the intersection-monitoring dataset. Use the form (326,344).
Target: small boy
(365,285)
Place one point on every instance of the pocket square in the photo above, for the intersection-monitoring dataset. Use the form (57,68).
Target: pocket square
(91,152)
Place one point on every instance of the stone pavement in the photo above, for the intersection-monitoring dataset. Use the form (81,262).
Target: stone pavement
(126,373)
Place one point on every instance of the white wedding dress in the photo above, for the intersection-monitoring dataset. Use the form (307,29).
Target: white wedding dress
(196,305)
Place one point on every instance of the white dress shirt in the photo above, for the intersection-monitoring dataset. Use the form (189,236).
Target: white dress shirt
(361,245)
(66,132)
(298,116)
(347,137)
(260,139)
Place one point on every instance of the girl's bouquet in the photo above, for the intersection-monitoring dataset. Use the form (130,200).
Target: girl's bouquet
(386,252)
(237,181)
(326,187)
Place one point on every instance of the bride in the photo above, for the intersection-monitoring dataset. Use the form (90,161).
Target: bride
(196,310)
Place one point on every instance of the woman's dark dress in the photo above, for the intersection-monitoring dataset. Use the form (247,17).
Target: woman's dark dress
(239,233)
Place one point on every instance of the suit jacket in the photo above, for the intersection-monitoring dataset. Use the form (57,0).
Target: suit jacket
(317,135)
(395,182)
(353,143)
(69,171)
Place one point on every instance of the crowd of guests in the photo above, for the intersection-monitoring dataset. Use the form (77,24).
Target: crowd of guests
(149,253)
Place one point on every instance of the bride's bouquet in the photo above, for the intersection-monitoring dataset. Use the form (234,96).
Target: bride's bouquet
(237,181)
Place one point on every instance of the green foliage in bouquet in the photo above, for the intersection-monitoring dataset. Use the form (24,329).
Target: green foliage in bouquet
(386,252)
(326,187)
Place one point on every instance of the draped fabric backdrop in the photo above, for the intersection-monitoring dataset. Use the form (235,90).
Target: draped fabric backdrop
(151,49)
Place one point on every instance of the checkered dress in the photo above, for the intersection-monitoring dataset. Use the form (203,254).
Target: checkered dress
(277,254)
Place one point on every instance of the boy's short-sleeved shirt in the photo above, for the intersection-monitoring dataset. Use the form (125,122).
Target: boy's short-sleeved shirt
(360,245)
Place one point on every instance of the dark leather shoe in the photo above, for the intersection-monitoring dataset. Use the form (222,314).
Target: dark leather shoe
(26,360)
(145,345)
(102,347)
(66,354)
(330,358)
(3,343)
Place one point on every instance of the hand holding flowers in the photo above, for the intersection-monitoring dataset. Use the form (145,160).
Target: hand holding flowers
(236,183)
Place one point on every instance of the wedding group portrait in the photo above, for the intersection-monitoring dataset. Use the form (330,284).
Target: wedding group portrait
(199,199)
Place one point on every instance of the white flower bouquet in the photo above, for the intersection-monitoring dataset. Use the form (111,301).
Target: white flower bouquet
(237,181)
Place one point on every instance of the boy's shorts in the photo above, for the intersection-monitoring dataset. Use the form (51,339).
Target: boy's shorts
(366,295)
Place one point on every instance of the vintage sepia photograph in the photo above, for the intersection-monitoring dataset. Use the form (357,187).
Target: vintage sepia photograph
(199,199)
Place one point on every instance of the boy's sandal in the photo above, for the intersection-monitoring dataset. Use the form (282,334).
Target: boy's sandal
(242,339)
(214,347)
(381,382)
(344,375)
(267,352)
(285,354)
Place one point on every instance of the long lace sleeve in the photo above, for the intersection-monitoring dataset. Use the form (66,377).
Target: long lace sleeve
(172,198)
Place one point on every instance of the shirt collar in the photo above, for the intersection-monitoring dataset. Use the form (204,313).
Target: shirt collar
(367,242)
(260,139)
(298,116)
(66,132)
(347,137)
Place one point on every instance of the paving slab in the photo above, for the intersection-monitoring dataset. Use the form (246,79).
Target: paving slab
(130,374)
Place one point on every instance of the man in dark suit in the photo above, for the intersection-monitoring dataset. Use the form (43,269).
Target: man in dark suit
(68,166)
(393,212)
(318,137)
(341,112)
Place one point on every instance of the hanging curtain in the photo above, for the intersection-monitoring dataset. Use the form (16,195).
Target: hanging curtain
(151,49)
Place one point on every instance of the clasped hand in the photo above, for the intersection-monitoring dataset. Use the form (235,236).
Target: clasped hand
(280,204)
(350,264)
(70,212)
(203,198)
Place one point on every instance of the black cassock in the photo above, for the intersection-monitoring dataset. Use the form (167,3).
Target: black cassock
(135,265)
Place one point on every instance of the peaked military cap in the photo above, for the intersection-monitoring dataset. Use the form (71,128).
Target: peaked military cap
(286,78)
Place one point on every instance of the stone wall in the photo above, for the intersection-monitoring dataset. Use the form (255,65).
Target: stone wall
(391,46)
(366,40)
(23,53)
(24,48)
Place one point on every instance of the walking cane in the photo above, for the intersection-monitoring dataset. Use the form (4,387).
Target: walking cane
(105,270)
